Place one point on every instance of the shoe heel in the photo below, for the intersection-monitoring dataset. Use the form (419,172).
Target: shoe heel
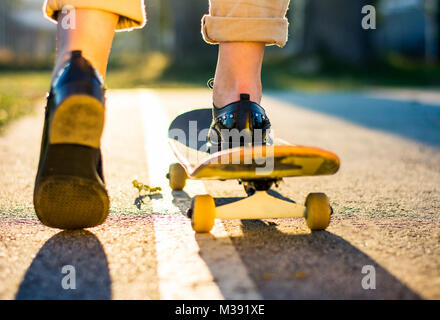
(69,194)
(79,119)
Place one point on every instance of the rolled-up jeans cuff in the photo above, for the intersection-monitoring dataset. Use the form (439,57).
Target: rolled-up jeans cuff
(272,31)
(131,12)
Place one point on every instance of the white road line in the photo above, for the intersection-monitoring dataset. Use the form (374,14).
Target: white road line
(190,266)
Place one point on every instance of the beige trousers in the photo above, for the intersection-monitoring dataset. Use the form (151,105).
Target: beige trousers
(228,20)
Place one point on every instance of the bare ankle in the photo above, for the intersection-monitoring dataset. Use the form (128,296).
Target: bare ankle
(228,85)
(224,94)
(238,71)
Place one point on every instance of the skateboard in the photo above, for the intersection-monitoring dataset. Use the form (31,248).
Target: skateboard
(257,168)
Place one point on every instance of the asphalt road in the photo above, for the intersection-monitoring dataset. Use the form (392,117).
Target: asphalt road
(386,199)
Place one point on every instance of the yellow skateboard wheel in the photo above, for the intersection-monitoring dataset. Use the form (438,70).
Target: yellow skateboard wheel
(203,213)
(177,177)
(318,211)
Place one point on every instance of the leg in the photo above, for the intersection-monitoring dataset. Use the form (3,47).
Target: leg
(95,43)
(242,29)
(238,71)
(69,188)
(95,23)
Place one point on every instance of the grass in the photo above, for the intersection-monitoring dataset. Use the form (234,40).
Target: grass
(22,88)
(307,74)
(158,71)
(19,93)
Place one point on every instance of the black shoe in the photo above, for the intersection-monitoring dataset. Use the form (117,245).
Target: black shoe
(240,123)
(69,188)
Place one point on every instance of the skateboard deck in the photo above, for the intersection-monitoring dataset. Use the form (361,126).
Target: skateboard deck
(188,139)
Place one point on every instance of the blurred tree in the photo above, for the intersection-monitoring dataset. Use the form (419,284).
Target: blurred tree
(5,22)
(186,18)
(438,29)
(155,31)
(22,36)
(432,30)
(333,28)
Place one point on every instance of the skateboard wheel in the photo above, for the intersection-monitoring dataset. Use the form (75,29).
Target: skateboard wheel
(177,176)
(318,211)
(202,213)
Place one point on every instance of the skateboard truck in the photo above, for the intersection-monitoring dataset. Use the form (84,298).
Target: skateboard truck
(258,205)
(252,186)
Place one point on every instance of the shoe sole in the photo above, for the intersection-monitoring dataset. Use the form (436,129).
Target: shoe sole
(78,120)
(70,194)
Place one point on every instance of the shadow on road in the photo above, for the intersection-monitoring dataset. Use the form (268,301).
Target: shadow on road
(317,265)
(413,120)
(80,249)
(139,200)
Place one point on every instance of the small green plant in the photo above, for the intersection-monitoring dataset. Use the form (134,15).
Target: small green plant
(148,191)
